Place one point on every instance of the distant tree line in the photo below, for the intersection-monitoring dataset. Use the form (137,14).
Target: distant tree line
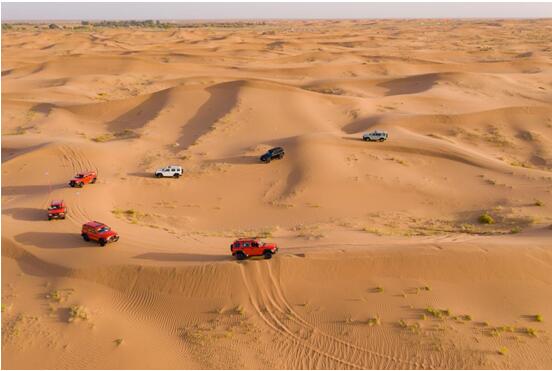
(85,25)
(158,24)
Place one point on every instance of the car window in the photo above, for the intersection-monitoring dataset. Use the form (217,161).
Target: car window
(246,244)
(103,229)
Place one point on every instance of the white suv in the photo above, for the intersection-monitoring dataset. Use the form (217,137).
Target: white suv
(375,136)
(169,171)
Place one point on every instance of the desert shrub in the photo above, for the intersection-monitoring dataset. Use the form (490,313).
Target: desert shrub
(515,230)
(374,321)
(125,134)
(437,313)
(54,295)
(77,312)
(485,218)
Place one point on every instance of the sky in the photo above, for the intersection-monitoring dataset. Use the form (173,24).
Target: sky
(12,11)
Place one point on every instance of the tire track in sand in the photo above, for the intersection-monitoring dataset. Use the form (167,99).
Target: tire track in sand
(272,307)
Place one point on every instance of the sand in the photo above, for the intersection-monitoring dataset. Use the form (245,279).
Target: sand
(383,261)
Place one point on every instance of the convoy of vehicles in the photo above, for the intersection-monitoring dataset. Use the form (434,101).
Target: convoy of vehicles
(241,248)
(172,171)
(273,153)
(57,210)
(99,232)
(247,247)
(83,178)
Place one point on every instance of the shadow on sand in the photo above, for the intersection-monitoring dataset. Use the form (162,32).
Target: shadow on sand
(26,213)
(167,257)
(53,240)
(33,189)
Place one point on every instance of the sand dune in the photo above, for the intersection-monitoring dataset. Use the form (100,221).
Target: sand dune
(383,260)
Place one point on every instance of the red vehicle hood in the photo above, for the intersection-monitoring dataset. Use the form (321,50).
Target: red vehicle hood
(56,211)
(270,245)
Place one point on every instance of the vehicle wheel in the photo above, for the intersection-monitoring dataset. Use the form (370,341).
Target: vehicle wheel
(85,237)
(159,175)
(176,176)
(240,255)
(81,184)
(102,242)
(93,180)
(381,139)
(267,254)
(49,218)
(281,156)
(365,139)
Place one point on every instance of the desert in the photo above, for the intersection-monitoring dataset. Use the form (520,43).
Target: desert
(431,249)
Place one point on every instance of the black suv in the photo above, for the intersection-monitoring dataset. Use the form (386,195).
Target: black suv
(273,153)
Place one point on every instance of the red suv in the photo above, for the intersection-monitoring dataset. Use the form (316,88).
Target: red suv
(99,232)
(83,178)
(57,210)
(245,247)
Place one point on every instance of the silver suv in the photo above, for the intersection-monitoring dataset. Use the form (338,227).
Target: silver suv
(375,135)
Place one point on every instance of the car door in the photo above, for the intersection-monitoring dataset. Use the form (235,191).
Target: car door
(246,248)
(93,234)
(256,248)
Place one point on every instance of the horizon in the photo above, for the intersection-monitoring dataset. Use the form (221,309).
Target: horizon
(177,12)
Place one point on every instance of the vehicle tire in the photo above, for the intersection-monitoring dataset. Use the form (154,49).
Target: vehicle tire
(102,242)
(49,218)
(81,184)
(176,176)
(365,139)
(267,254)
(240,255)
(281,156)
(158,175)
(93,180)
(381,139)
(85,237)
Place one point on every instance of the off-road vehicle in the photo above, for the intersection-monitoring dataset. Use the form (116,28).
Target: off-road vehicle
(57,210)
(173,171)
(99,232)
(246,247)
(83,178)
(273,153)
(375,135)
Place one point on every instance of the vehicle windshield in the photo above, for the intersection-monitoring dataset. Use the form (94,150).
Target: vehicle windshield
(104,229)
(79,176)
(55,207)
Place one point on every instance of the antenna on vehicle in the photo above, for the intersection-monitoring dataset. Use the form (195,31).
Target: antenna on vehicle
(49,183)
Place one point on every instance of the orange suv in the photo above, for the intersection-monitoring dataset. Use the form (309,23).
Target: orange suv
(83,178)
(246,247)
(57,210)
(97,231)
